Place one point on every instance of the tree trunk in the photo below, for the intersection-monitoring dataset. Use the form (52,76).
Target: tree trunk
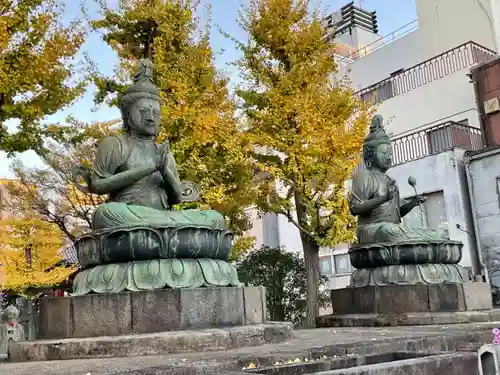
(311,262)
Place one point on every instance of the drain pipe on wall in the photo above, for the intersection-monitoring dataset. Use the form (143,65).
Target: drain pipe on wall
(468,175)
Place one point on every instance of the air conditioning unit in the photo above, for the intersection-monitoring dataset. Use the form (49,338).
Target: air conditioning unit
(491,106)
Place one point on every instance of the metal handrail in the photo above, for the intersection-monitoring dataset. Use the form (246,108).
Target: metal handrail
(385,40)
(434,140)
(446,63)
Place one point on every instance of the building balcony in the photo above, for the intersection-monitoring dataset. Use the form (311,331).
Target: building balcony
(404,80)
(434,140)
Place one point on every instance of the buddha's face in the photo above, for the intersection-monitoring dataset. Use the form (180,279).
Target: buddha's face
(144,117)
(382,158)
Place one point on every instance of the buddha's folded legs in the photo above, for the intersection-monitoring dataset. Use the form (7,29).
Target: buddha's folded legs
(114,214)
(389,232)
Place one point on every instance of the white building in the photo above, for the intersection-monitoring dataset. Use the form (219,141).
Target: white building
(418,78)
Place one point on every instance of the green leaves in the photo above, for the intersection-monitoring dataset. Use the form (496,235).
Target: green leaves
(283,274)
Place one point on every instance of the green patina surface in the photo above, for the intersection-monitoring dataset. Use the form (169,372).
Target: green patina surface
(155,274)
(142,182)
(375,196)
(375,200)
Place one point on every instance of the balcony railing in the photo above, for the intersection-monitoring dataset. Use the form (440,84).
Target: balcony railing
(430,141)
(434,140)
(451,61)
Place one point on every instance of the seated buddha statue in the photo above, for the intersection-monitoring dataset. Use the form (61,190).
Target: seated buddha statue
(375,196)
(138,240)
(139,176)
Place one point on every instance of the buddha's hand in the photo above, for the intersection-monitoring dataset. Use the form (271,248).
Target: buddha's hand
(163,151)
(167,166)
(392,190)
(418,200)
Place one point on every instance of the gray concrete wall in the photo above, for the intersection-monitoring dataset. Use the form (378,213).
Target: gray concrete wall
(484,183)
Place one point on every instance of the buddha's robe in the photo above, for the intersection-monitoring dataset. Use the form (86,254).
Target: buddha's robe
(144,202)
(383,224)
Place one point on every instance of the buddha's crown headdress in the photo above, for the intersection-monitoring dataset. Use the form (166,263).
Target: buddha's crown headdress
(143,82)
(377,134)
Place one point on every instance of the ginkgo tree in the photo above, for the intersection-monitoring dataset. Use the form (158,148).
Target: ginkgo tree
(49,190)
(198,115)
(30,254)
(309,122)
(37,64)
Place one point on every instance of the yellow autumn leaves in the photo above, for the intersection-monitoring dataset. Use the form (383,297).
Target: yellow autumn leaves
(310,127)
(30,250)
(36,68)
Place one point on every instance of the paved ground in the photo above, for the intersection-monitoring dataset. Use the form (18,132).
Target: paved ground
(311,344)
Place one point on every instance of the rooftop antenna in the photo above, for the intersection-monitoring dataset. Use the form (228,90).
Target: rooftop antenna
(361,4)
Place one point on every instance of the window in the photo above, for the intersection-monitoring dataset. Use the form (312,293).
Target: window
(433,216)
(325,266)
(342,264)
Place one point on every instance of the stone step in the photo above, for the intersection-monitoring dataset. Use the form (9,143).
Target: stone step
(444,364)
(408,319)
(150,344)
(306,345)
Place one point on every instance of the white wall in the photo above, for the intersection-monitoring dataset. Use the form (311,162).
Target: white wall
(449,98)
(484,171)
(495,17)
(289,235)
(445,24)
(257,229)
(378,65)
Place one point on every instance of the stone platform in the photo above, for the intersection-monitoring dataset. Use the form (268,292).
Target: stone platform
(422,304)
(118,314)
(396,299)
(324,344)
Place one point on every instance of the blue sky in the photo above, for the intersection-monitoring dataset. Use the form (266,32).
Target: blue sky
(391,15)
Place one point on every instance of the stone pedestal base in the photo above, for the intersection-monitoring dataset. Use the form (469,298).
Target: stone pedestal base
(117,314)
(396,299)
(402,304)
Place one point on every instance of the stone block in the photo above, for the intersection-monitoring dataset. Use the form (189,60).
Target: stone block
(101,315)
(53,317)
(477,296)
(406,299)
(155,309)
(395,299)
(342,301)
(211,307)
(365,300)
(446,297)
(150,311)
(254,299)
